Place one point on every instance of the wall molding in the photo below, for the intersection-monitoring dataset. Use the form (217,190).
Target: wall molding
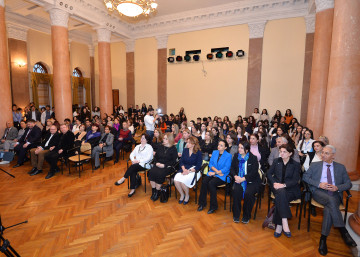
(17,32)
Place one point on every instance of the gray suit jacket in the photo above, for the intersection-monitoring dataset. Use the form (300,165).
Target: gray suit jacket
(275,154)
(109,144)
(13,133)
(313,175)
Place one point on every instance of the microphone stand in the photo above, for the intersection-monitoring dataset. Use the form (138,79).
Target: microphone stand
(5,246)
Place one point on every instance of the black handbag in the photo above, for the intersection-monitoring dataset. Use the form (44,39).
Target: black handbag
(268,222)
(164,193)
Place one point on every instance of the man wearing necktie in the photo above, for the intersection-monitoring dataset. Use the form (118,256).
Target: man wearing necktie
(30,139)
(10,134)
(38,154)
(327,181)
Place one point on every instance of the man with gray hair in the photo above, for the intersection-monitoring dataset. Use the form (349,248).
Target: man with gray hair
(327,181)
(275,151)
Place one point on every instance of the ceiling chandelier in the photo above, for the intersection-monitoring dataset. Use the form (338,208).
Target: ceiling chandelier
(131,8)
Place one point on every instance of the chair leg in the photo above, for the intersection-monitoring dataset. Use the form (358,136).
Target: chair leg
(225,200)
(256,205)
(301,207)
(297,209)
(69,167)
(230,202)
(308,227)
(346,210)
(145,181)
(196,194)
(269,199)
(260,201)
(128,182)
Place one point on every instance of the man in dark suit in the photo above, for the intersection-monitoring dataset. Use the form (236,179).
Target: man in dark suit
(33,114)
(38,154)
(327,181)
(66,143)
(30,139)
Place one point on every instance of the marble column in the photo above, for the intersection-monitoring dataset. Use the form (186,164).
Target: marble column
(105,79)
(17,37)
(130,72)
(92,74)
(256,33)
(162,72)
(309,45)
(342,108)
(5,88)
(61,64)
(320,65)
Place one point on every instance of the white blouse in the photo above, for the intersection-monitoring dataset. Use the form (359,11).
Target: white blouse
(144,154)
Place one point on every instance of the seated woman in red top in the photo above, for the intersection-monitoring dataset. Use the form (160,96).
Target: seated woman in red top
(123,138)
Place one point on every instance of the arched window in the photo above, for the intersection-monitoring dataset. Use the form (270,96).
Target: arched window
(77,73)
(40,68)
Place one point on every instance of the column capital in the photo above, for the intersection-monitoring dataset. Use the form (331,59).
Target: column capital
(322,5)
(58,17)
(256,30)
(103,35)
(2,3)
(91,50)
(162,41)
(17,32)
(130,45)
(310,23)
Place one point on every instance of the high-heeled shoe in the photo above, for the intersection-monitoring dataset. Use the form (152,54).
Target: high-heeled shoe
(186,202)
(277,235)
(287,234)
(130,195)
(118,184)
(181,201)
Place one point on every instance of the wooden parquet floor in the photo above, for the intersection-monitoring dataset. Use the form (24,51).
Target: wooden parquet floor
(90,216)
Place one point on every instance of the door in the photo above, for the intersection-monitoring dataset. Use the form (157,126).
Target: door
(115,95)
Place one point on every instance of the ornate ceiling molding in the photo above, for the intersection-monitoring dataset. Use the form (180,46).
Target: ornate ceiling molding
(59,17)
(322,5)
(162,41)
(310,23)
(256,30)
(103,35)
(130,45)
(17,32)
(93,13)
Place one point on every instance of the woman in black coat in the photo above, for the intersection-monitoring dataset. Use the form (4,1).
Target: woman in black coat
(165,157)
(244,170)
(283,177)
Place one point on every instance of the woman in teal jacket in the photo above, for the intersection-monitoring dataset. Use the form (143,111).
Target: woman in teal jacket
(219,168)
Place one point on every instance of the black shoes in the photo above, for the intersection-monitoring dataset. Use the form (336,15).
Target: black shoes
(96,168)
(211,211)
(156,195)
(153,193)
(236,220)
(118,184)
(348,239)
(18,165)
(32,171)
(36,172)
(245,221)
(200,208)
(50,175)
(323,247)
(130,195)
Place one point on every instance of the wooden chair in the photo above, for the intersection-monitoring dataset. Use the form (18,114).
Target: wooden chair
(312,202)
(145,172)
(170,177)
(79,159)
(227,189)
(299,203)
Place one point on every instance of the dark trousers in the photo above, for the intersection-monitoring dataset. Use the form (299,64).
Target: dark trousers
(249,199)
(52,158)
(209,184)
(21,151)
(331,213)
(131,172)
(117,146)
(282,209)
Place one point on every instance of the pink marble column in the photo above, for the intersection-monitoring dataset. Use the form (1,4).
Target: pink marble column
(342,109)
(130,72)
(320,65)
(105,79)
(5,89)
(162,72)
(61,63)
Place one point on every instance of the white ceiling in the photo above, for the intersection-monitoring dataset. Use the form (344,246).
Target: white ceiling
(172,16)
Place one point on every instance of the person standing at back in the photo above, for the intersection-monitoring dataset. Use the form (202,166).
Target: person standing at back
(149,121)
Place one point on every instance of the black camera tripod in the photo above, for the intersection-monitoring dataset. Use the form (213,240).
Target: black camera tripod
(7,172)
(5,246)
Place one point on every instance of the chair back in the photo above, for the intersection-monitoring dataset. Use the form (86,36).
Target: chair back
(85,147)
